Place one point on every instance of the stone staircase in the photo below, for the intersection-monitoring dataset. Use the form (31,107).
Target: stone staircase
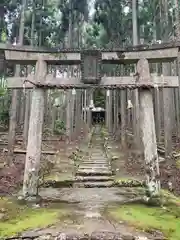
(95,170)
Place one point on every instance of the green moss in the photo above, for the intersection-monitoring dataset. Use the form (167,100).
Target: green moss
(178,163)
(128,182)
(17,218)
(28,220)
(149,218)
(170,199)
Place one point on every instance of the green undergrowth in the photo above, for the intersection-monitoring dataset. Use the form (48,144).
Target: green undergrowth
(149,219)
(15,218)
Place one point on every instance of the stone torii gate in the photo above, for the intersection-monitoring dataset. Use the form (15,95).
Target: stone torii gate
(91,62)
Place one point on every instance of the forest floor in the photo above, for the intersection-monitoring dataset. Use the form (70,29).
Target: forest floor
(76,211)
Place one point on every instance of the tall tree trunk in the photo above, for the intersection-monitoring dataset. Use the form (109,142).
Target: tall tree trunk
(14,103)
(167,93)
(134,22)
(156,90)
(28,92)
(69,116)
(177,33)
(136,126)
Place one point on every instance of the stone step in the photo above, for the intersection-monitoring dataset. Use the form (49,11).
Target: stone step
(100,159)
(96,167)
(98,146)
(99,156)
(97,151)
(95,163)
(94,178)
(106,184)
(91,172)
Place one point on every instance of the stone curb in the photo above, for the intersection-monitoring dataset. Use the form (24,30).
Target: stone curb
(94,236)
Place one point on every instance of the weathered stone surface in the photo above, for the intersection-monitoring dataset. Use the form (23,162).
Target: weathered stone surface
(94,178)
(78,237)
(30,234)
(98,184)
(102,162)
(101,235)
(96,167)
(106,235)
(45,237)
(94,172)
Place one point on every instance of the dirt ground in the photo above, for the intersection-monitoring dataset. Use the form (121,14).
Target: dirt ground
(169,172)
(130,164)
(11,177)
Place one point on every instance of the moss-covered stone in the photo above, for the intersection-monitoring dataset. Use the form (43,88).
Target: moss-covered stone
(129,182)
(58,184)
(58,179)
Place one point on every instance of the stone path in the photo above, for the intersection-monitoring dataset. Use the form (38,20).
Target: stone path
(89,193)
(87,229)
(95,169)
(87,201)
(87,219)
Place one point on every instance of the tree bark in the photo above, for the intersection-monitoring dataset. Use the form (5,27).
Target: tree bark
(136,127)
(28,91)
(123,117)
(14,103)
(167,93)
(68,115)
